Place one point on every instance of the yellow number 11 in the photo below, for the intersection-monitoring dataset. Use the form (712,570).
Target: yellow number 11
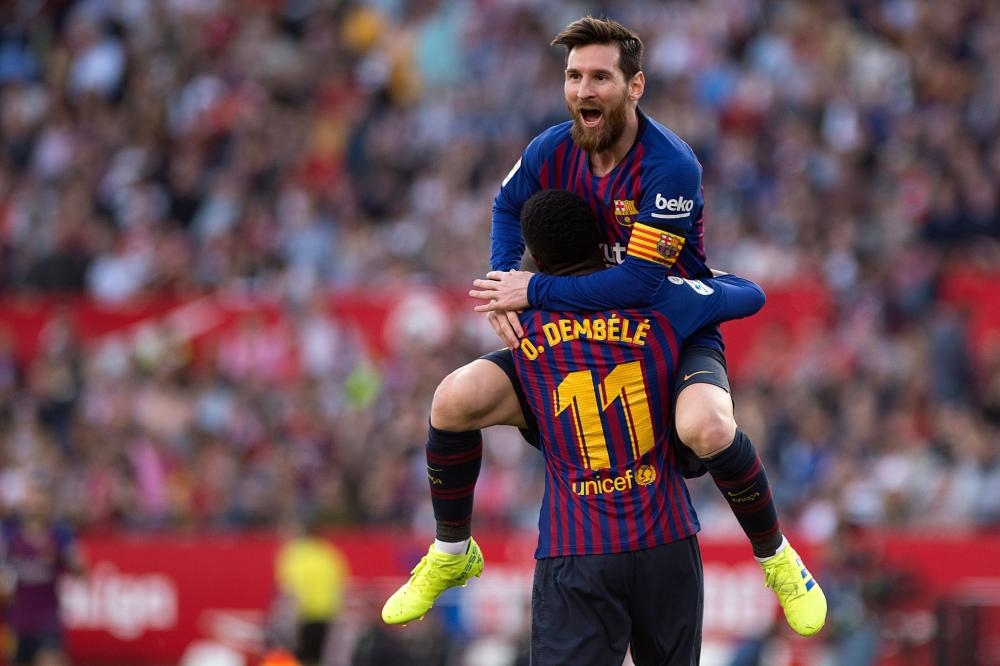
(577,392)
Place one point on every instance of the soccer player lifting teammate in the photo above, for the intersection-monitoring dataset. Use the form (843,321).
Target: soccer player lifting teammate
(618,561)
(644,184)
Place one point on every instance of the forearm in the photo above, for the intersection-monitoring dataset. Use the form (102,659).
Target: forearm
(744,297)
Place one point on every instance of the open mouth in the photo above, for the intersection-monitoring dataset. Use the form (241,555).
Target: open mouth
(590,117)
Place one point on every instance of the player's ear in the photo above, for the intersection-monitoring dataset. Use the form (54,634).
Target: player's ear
(636,86)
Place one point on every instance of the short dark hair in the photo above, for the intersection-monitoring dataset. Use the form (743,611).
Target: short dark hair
(590,30)
(559,229)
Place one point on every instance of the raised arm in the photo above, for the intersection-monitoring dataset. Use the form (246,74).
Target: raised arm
(506,243)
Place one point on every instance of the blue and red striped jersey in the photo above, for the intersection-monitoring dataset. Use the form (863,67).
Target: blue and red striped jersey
(600,387)
(650,207)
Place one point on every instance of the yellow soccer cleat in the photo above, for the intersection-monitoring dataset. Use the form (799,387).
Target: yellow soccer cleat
(435,573)
(798,592)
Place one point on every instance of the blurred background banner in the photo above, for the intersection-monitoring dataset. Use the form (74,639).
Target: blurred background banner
(387,323)
(149,598)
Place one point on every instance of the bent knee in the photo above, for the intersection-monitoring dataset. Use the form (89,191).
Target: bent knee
(471,398)
(456,404)
(705,421)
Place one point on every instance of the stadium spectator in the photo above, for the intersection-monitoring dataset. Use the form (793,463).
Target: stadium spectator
(36,550)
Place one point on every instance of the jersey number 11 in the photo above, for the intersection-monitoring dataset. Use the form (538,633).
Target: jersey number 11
(579,393)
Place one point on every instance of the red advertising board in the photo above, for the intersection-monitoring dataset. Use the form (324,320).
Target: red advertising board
(146,600)
(385,320)
(793,314)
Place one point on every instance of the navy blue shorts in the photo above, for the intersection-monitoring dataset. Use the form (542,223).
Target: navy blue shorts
(504,358)
(697,365)
(587,610)
(701,365)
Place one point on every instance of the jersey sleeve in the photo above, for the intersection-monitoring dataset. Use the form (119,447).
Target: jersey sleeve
(506,242)
(692,304)
(670,204)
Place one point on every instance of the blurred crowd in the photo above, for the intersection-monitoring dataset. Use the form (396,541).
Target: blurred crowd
(294,147)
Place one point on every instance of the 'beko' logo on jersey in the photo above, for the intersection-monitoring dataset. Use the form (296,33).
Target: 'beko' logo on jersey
(677,208)
(625,212)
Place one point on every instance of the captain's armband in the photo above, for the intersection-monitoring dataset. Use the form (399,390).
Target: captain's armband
(656,245)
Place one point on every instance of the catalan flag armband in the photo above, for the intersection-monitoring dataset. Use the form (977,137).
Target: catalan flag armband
(656,245)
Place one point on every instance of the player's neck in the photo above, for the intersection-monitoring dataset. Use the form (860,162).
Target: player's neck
(586,267)
(603,162)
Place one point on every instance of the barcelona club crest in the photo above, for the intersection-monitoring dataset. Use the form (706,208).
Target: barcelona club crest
(668,246)
(625,212)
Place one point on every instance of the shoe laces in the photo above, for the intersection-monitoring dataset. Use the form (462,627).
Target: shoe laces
(425,575)
(786,577)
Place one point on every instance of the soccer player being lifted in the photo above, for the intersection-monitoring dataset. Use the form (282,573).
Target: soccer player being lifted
(644,185)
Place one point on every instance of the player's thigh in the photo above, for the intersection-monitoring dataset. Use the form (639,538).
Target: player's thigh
(579,611)
(703,413)
(668,602)
(477,395)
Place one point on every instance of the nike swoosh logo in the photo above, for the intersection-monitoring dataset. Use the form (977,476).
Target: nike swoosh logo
(697,372)
(737,494)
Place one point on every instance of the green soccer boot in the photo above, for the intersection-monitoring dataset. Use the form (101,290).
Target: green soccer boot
(435,573)
(799,594)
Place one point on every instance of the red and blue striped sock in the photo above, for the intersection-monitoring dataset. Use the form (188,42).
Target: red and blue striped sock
(453,463)
(739,474)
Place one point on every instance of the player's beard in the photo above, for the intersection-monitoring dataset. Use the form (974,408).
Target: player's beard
(601,138)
